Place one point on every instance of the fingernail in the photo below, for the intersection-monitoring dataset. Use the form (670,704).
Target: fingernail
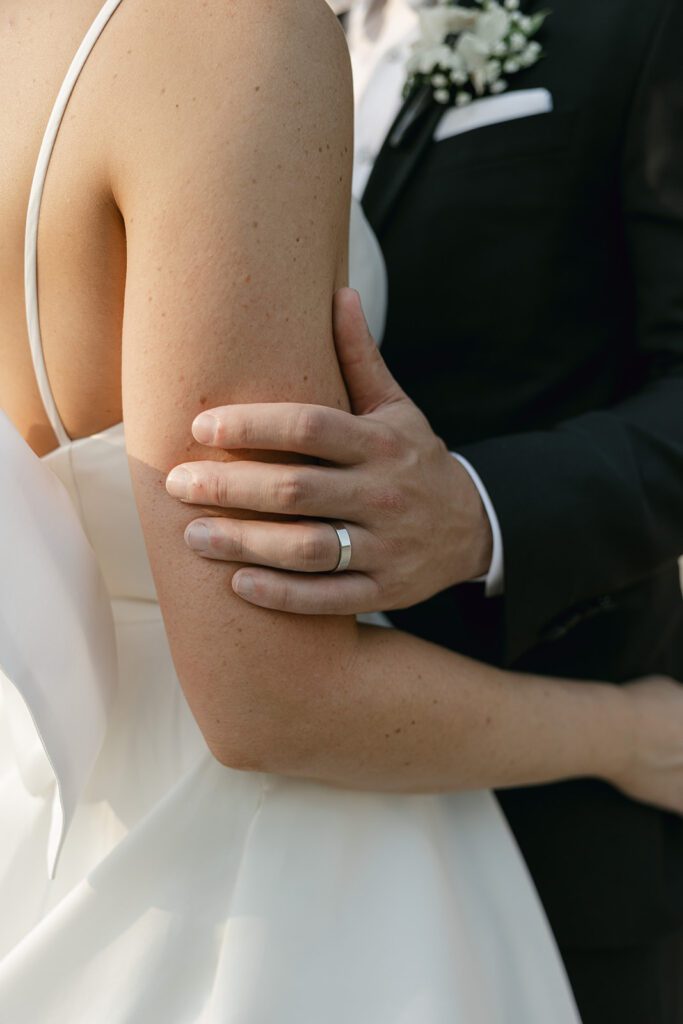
(243,583)
(204,428)
(197,536)
(178,483)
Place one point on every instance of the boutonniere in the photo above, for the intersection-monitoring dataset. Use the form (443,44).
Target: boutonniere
(464,53)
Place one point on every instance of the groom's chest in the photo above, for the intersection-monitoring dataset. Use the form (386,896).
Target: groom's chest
(501,231)
(589,52)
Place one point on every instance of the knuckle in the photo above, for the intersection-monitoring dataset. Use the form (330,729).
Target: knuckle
(217,490)
(241,433)
(307,427)
(200,487)
(233,543)
(290,491)
(283,599)
(221,433)
(314,552)
(386,443)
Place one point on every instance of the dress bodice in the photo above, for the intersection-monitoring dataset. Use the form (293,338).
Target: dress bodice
(95,473)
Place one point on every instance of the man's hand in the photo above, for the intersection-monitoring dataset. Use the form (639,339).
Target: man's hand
(416,521)
(652,768)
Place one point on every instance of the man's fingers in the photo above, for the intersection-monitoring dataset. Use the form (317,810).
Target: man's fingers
(307,546)
(315,430)
(293,490)
(343,594)
(368,380)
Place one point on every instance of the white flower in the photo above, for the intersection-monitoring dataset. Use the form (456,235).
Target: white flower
(493,69)
(458,77)
(475,46)
(424,60)
(492,26)
(453,62)
(530,55)
(436,23)
(475,56)
(517,41)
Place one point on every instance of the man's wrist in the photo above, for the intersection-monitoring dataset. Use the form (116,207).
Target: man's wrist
(493,572)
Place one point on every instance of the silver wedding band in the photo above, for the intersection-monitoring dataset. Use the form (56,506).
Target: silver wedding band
(344,539)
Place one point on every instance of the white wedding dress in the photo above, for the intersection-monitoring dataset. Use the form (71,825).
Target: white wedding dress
(141,882)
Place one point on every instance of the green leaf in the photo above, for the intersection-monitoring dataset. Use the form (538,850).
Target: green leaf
(537,21)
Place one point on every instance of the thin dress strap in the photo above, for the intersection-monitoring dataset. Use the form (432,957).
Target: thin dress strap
(33,215)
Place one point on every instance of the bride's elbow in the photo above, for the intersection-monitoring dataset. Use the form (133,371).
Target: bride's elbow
(271,740)
(277,715)
(238,746)
(277,756)
(239,758)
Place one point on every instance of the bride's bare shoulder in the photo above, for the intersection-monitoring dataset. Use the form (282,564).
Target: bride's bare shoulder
(184,70)
(279,28)
(213,44)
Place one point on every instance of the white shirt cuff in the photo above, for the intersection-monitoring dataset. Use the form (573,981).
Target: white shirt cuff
(495,577)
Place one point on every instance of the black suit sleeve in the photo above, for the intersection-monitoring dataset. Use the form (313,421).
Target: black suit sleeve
(596,504)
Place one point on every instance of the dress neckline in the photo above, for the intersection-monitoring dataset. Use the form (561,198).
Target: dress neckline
(73,444)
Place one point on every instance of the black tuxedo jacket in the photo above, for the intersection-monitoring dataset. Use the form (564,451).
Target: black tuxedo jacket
(536,316)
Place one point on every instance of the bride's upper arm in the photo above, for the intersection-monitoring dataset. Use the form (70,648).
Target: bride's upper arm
(232,176)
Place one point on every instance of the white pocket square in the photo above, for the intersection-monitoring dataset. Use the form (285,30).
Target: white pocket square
(493,110)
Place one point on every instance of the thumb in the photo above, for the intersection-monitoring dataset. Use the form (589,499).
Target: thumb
(368,380)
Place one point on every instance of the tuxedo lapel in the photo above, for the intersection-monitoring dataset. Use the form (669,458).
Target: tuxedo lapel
(406,143)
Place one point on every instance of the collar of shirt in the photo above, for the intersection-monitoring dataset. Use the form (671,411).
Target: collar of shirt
(368,8)
(380,33)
